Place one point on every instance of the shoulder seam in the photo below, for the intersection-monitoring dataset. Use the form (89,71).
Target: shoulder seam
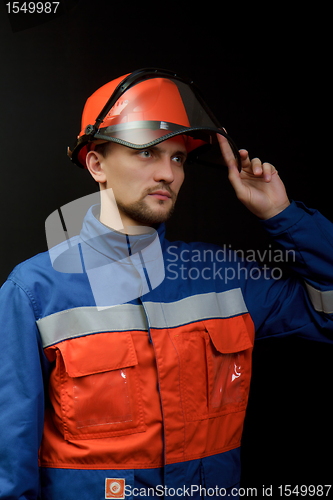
(29,296)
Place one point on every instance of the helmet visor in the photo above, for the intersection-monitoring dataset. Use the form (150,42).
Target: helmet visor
(153,108)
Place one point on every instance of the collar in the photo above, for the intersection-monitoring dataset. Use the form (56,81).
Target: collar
(120,267)
(113,244)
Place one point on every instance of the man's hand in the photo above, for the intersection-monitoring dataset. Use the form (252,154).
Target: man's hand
(258,185)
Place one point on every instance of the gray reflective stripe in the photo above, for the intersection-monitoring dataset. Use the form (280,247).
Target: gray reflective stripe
(88,320)
(195,308)
(321,301)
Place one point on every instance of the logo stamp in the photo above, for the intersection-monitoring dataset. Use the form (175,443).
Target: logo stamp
(115,488)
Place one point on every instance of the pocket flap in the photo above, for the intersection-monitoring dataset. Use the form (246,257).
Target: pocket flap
(98,353)
(230,334)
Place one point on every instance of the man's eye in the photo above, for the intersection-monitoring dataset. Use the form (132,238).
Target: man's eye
(145,154)
(179,159)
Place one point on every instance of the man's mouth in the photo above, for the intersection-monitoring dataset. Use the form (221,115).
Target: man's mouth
(161,194)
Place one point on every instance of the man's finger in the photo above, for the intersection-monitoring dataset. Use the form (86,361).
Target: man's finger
(232,164)
(268,171)
(227,153)
(256,166)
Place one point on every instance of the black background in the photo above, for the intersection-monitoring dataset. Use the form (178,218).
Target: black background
(265,73)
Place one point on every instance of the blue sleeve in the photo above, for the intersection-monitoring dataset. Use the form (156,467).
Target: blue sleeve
(301,304)
(21,395)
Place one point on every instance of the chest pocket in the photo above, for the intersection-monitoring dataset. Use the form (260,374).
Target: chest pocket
(215,365)
(95,388)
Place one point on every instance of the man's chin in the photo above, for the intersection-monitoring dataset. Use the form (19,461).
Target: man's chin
(147,215)
(154,217)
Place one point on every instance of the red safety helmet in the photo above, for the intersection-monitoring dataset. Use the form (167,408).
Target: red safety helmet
(147,107)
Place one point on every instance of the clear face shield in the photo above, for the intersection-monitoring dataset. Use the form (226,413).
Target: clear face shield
(151,106)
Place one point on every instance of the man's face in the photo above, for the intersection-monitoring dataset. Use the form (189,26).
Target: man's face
(145,182)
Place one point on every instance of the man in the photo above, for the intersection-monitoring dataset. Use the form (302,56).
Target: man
(140,349)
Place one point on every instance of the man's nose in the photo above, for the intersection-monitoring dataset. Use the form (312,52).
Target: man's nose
(164,171)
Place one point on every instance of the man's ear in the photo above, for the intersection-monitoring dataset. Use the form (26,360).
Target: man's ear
(94,165)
